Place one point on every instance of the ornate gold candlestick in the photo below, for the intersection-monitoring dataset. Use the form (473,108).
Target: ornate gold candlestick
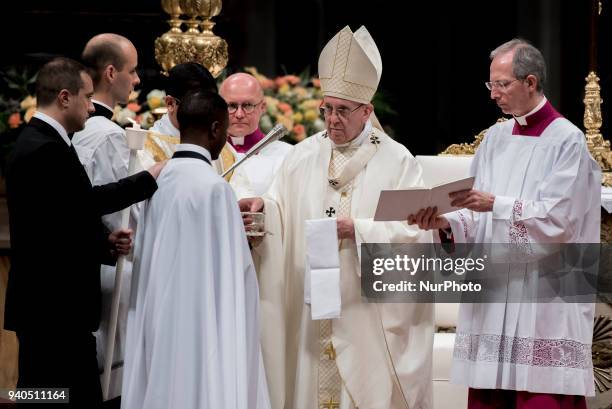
(168,47)
(202,46)
(599,147)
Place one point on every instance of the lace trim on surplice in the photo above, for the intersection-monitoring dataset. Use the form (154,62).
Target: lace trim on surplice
(524,351)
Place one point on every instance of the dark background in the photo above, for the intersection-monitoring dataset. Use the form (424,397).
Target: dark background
(435,53)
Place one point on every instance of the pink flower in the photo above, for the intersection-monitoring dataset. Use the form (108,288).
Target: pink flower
(284,107)
(300,132)
(292,79)
(266,83)
(287,79)
(280,81)
(133,106)
(14,120)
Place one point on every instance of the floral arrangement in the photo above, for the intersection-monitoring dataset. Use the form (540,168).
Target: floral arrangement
(21,112)
(292,101)
(143,114)
(16,84)
(16,104)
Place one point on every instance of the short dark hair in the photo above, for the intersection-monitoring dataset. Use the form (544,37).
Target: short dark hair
(98,56)
(56,75)
(190,76)
(199,109)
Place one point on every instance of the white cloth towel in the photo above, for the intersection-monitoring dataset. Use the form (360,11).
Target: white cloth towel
(322,276)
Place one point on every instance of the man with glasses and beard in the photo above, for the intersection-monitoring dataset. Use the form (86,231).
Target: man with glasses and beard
(361,354)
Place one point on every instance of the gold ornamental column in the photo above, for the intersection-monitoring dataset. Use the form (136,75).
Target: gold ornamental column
(168,47)
(599,147)
(195,44)
(204,46)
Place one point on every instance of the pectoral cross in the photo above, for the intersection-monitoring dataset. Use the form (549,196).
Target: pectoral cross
(330,212)
(330,351)
(330,404)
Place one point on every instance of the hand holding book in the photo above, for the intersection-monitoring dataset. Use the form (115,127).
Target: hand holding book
(397,205)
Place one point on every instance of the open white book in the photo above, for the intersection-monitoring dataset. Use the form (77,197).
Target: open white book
(397,205)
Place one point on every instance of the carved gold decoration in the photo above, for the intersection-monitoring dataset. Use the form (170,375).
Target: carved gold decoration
(465,148)
(194,45)
(598,146)
(468,148)
(173,8)
(168,47)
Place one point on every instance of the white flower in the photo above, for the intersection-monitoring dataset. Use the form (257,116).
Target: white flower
(155,99)
(146,120)
(133,96)
(318,124)
(122,115)
(265,123)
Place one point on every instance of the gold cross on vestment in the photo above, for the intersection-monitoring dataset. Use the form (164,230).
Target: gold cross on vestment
(330,404)
(330,351)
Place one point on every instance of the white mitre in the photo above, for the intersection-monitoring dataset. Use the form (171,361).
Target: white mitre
(350,66)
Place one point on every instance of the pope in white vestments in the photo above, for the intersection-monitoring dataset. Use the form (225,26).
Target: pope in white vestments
(536,182)
(193,331)
(374,356)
